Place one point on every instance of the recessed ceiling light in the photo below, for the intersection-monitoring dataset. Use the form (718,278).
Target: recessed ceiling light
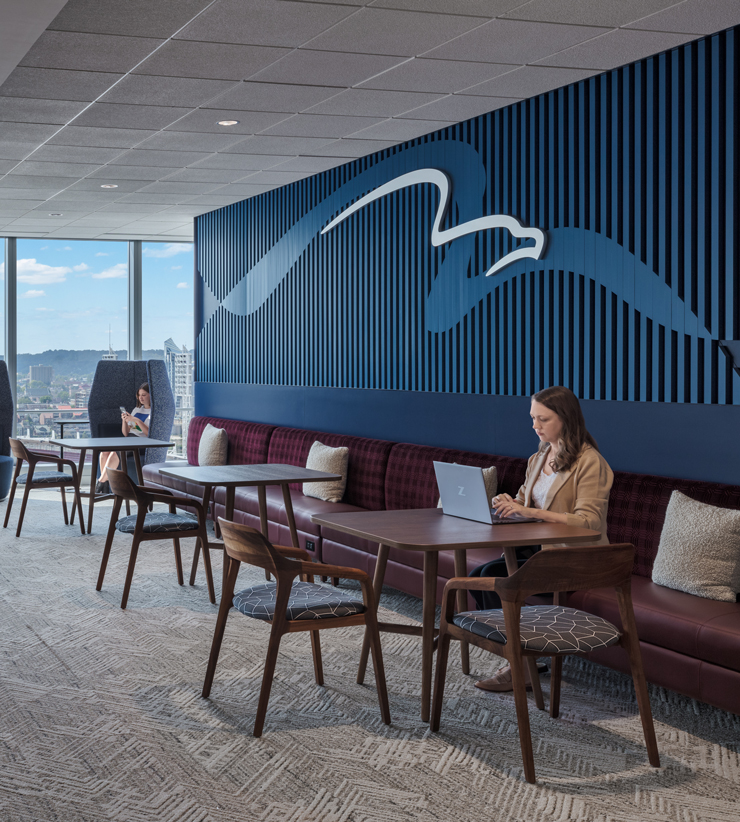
(109,185)
(56,214)
(228,122)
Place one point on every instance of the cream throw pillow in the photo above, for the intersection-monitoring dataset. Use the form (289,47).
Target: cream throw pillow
(333,461)
(490,480)
(699,550)
(214,443)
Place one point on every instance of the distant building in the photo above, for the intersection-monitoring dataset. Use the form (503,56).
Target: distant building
(179,363)
(111,355)
(41,373)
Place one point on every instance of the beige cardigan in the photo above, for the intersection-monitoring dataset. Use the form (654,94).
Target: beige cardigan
(581,492)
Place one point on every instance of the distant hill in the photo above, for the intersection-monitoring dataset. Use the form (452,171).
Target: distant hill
(75,363)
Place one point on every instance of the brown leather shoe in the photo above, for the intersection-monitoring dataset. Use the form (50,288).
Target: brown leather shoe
(502,681)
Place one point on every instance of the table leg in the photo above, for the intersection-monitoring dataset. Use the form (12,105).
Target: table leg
(137,460)
(461,570)
(429,604)
(512,567)
(198,546)
(93,477)
(262,497)
(229,515)
(378,578)
(291,517)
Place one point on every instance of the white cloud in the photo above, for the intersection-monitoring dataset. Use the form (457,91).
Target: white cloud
(35,273)
(182,285)
(41,308)
(167,249)
(175,268)
(102,254)
(31,294)
(67,248)
(80,267)
(43,247)
(114,272)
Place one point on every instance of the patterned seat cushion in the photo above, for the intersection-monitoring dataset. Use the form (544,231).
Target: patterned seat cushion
(550,629)
(46,476)
(155,523)
(308,600)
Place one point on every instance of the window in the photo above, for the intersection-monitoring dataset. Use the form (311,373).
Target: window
(167,324)
(72,312)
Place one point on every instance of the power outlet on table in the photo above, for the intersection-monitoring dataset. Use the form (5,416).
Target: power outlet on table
(310,546)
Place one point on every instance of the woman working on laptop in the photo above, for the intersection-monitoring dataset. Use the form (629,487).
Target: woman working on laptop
(567,481)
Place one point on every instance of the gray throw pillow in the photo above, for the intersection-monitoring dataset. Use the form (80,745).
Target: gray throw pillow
(490,480)
(333,461)
(213,446)
(699,550)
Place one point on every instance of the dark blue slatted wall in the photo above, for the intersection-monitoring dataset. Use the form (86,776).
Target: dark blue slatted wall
(633,176)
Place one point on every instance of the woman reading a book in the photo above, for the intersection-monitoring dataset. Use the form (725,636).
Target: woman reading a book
(135,424)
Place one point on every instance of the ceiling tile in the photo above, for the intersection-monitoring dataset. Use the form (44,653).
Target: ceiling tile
(10,150)
(217,61)
(40,169)
(102,137)
(26,132)
(143,173)
(261,144)
(372,103)
(141,18)
(165,159)
(159,199)
(223,200)
(352,148)
(88,52)
(458,107)
(310,164)
(205,175)
(387,31)
(692,17)
(57,84)
(263,22)
(514,41)
(95,185)
(22,110)
(190,141)
(206,120)
(314,125)
(74,154)
(27,193)
(258,183)
(326,68)
(401,130)
(282,97)
(131,208)
(245,162)
(15,208)
(616,48)
(29,181)
(529,81)
(98,197)
(179,188)
(479,8)
(164,91)
(6,165)
(119,115)
(588,12)
(443,76)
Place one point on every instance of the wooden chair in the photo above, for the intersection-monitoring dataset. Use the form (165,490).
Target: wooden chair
(518,631)
(291,605)
(42,479)
(153,526)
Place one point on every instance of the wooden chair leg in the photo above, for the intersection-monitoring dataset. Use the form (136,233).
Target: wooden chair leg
(556,673)
(209,571)
(443,650)
(178,560)
(378,667)
(522,716)
(77,506)
(194,565)
(227,596)
(64,505)
(108,542)
(10,503)
(318,668)
(130,571)
(534,676)
(267,677)
(23,509)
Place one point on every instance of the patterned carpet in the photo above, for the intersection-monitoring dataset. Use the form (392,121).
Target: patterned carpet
(101,718)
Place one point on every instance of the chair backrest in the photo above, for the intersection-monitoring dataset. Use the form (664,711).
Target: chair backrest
(570,569)
(20,452)
(6,410)
(248,545)
(123,486)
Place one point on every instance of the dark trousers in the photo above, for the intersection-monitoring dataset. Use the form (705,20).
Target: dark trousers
(488,600)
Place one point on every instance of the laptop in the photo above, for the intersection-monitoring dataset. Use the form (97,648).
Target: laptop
(463,494)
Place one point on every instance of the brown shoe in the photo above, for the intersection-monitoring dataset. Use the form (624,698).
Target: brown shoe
(502,681)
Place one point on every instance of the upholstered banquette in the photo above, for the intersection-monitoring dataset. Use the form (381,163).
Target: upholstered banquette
(690,644)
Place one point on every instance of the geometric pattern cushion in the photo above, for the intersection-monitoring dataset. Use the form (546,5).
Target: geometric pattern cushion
(45,476)
(549,629)
(156,523)
(308,600)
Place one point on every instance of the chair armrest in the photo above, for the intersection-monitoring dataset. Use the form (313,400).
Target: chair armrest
(147,489)
(471,584)
(170,499)
(339,571)
(297,553)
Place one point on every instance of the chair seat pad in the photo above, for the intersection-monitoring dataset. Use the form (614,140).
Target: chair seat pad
(550,629)
(156,523)
(46,476)
(308,600)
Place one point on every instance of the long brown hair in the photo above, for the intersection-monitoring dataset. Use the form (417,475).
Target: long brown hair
(563,402)
(145,387)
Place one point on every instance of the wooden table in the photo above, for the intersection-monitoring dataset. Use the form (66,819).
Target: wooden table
(430,531)
(232,477)
(99,444)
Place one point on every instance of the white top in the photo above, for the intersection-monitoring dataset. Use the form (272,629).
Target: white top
(541,487)
(143,414)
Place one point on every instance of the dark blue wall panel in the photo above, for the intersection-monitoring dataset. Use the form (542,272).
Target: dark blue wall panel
(631,174)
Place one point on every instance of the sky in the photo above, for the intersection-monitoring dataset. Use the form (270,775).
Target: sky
(70,292)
